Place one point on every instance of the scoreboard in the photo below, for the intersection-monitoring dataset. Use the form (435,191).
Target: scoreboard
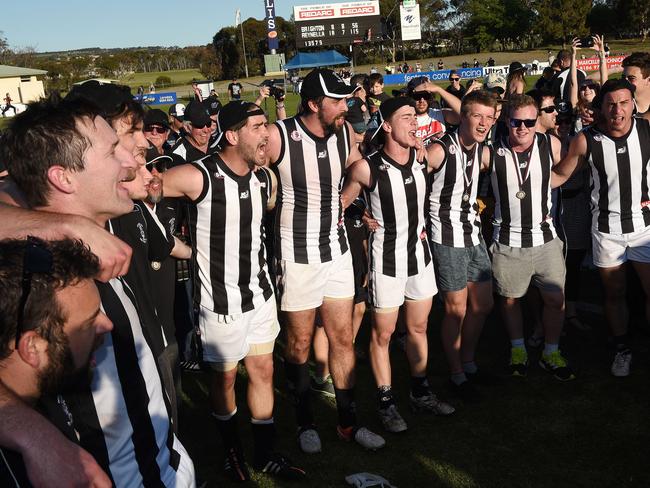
(337,23)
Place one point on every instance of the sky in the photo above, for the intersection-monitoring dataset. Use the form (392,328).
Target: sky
(47,25)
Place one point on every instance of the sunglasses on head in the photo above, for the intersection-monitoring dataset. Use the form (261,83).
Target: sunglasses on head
(159,165)
(514,123)
(549,110)
(156,129)
(37,259)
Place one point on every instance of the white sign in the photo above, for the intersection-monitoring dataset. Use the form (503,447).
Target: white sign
(336,10)
(410,19)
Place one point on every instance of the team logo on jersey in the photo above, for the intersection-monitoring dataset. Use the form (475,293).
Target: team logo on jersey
(172,224)
(263,184)
(408,180)
(244,195)
(143,236)
(452,149)
(66,411)
(621,150)
(501,151)
(384,167)
(598,137)
(155,265)
(218,175)
(295,135)
(322,154)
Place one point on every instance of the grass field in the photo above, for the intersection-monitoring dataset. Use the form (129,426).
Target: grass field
(526,433)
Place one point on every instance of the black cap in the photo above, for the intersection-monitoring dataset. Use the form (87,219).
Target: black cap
(233,113)
(212,105)
(153,155)
(389,107)
(325,82)
(197,115)
(415,82)
(400,93)
(516,66)
(155,116)
(610,86)
(109,98)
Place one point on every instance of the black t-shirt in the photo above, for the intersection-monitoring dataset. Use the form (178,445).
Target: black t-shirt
(460,93)
(561,83)
(185,154)
(235,90)
(174,137)
(375,100)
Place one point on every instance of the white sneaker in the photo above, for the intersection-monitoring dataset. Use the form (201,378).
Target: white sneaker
(392,420)
(309,441)
(430,404)
(362,436)
(621,364)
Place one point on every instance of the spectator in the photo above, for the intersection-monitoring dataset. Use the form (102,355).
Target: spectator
(490,62)
(431,122)
(156,129)
(195,144)
(357,108)
(177,123)
(561,82)
(235,90)
(544,81)
(375,91)
(636,70)
(516,81)
(8,105)
(455,87)
(441,65)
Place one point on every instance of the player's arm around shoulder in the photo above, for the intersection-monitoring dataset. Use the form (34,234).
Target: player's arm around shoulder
(185,180)
(436,156)
(357,178)
(574,159)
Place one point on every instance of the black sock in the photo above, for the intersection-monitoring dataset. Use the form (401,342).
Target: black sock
(298,383)
(419,386)
(620,342)
(345,407)
(385,396)
(263,441)
(229,432)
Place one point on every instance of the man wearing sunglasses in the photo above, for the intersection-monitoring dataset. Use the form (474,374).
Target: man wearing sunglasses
(52,324)
(128,430)
(545,101)
(196,143)
(617,149)
(526,248)
(455,87)
(156,129)
(431,121)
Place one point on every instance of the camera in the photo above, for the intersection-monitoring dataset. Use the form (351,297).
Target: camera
(274,90)
(586,41)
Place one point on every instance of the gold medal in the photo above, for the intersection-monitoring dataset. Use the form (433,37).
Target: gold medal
(521,194)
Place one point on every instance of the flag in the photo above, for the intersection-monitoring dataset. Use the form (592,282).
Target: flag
(238,18)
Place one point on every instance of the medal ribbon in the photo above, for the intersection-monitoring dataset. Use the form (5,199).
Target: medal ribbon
(461,153)
(522,178)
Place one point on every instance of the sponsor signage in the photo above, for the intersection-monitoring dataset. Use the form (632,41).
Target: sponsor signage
(592,64)
(339,23)
(442,75)
(157,98)
(410,21)
(271,29)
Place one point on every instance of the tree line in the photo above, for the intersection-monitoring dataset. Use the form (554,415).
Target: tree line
(449,27)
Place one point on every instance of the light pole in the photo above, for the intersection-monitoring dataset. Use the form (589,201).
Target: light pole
(243,41)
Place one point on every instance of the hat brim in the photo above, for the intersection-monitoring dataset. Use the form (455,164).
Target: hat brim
(341,91)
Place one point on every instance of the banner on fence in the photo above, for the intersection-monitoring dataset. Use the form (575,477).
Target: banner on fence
(157,98)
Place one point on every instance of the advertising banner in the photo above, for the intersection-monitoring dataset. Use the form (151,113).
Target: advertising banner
(442,75)
(157,98)
(592,64)
(410,20)
(271,30)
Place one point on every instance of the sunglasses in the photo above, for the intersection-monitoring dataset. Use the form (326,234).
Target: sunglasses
(454,79)
(159,165)
(37,259)
(156,129)
(590,86)
(421,96)
(549,110)
(201,126)
(514,123)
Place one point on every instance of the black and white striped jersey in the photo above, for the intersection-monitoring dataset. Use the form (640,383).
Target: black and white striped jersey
(620,198)
(227,226)
(397,197)
(309,219)
(453,217)
(527,221)
(123,418)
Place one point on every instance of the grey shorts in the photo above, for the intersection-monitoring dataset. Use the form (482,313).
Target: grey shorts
(456,266)
(516,268)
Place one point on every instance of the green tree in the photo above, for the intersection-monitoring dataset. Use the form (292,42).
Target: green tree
(561,19)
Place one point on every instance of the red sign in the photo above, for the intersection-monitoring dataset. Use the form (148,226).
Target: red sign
(358,11)
(310,14)
(592,64)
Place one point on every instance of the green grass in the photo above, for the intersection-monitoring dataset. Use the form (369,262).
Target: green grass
(178,77)
(532,432)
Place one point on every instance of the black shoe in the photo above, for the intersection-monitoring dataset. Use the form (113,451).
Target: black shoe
(234,465)
(278,465)
(466,391)
(483,378)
